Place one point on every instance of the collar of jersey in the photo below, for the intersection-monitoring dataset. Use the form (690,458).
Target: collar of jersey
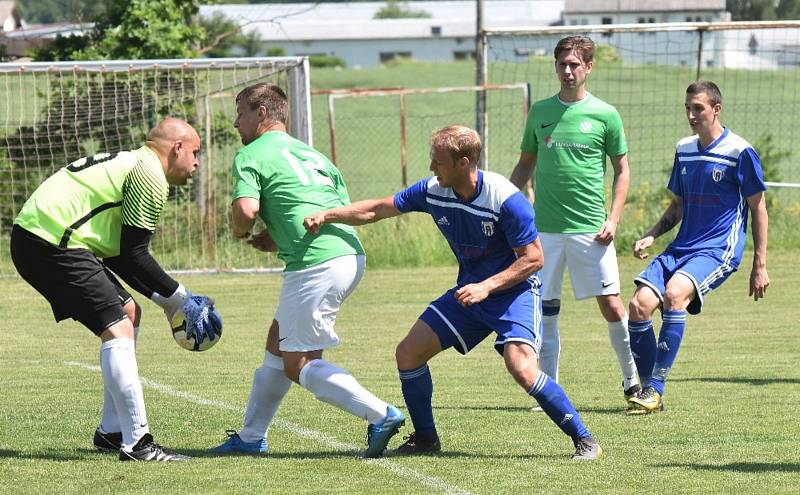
(714,143)
(574,103)
(477,192)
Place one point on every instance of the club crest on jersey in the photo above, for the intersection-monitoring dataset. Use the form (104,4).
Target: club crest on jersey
(548,141)
(488,228)
(717,174)
(586,126)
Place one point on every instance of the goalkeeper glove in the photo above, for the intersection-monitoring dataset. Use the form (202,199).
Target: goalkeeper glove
(202,319)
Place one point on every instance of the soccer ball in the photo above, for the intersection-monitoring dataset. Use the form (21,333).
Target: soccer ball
(179,334)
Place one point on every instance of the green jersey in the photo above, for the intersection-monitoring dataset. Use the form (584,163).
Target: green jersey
(571,142)
(85,204)
(292,180)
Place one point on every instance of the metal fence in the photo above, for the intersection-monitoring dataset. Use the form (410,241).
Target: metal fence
(52,114)
(644,69)
(370,128)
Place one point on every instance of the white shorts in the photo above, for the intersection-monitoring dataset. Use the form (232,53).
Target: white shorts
(592,267)
(310,300)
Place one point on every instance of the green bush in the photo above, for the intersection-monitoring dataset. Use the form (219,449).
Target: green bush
(276,51)
(394,10)
(606,54)
(326,61)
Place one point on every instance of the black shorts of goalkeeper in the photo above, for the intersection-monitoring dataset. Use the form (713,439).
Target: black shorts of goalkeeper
(74,281)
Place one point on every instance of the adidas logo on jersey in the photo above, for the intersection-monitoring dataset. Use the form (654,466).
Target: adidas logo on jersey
(443,221)
(683,171)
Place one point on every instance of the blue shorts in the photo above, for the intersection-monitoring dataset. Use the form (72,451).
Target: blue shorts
(514,317)
(707,269)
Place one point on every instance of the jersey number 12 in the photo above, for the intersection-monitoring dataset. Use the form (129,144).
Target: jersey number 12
(310,169)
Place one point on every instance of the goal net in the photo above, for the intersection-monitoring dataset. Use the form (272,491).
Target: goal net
(54,113)
(644,69)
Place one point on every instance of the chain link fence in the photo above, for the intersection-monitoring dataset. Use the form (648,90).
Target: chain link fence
(379,139)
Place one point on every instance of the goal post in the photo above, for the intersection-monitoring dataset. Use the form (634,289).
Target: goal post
(54,113)
(644,69)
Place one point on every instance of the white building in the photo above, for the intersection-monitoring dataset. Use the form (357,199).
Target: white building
(595,12)
(350,31)
(28,36)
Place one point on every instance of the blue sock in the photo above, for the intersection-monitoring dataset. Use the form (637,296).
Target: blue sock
(669,340)
(643,347)
(554,402)
(417,386)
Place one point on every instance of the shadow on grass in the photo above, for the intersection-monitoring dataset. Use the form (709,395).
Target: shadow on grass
(743,467)
(743,380)
(84,454)
(388,455)
(512,409)
(55,455)
(517,409)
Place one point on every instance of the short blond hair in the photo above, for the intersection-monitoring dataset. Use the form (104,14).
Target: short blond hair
(459,141)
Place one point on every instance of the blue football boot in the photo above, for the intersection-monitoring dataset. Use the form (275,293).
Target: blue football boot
(235,445)
(378,435)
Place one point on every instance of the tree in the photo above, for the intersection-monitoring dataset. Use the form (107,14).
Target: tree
(224,38)
(763,10)
(132,30)
(52,11)
(788,9)
(395,10)
(220,35)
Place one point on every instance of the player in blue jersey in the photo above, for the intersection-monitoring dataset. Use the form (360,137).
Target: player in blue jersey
(716,177)
(490,227)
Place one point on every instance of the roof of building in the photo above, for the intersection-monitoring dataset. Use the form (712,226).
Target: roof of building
(49,31)
(628,6)
(342,21)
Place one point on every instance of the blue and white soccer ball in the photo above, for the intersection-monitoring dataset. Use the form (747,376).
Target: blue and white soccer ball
(179,334)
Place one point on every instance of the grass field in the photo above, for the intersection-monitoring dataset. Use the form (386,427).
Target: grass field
(730,425)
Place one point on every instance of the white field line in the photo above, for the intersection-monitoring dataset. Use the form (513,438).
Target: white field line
(315,435)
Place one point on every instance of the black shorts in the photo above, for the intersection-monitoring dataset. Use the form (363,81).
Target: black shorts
(75,283)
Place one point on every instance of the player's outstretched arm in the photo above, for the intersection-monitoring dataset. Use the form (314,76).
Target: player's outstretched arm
(669,219)
(759,279)
(358,213)
(529,260)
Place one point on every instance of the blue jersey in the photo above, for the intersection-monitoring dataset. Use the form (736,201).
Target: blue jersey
(714,184)
(481,231)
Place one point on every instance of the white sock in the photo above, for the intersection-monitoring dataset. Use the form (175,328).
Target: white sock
(621,343)
(334,385)
(551,347)
(121,378)
(270,385)
(109,423)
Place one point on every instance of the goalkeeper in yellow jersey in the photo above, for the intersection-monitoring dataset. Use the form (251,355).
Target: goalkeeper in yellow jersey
(106,207)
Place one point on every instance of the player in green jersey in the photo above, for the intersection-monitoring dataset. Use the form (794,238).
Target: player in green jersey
(107,206)
(281,180)
(566,141)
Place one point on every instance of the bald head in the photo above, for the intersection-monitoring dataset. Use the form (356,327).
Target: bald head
(170,130)
(177,145)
